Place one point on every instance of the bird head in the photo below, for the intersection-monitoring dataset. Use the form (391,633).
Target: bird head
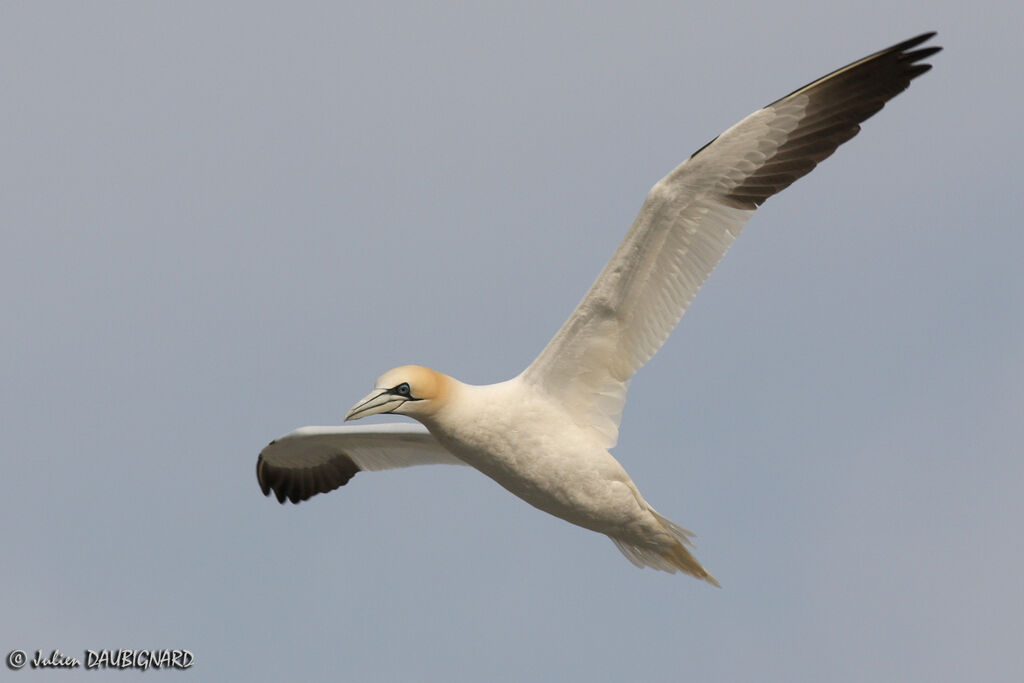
(411,390)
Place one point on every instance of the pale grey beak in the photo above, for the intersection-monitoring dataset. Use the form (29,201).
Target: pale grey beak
(377,401)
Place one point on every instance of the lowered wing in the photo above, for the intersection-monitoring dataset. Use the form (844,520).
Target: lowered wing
(312,460)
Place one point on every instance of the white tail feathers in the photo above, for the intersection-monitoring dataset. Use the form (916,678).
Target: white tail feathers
(672,558)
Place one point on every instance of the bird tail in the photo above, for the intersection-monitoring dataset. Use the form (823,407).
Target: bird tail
(672,559)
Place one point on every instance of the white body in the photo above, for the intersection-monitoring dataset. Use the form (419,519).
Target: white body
(526,442)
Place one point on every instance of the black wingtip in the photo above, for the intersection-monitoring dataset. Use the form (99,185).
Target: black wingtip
(264,486)
(916,40)
(923,53)
(902,53)
(296,483)
(910,43)
(831,111)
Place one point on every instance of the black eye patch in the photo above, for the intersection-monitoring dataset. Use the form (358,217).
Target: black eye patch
(402,390)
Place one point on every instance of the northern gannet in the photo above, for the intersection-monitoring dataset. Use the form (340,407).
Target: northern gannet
(545,435)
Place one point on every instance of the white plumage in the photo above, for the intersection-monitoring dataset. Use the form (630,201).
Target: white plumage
(545,435)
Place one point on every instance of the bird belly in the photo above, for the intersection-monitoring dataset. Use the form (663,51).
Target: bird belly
(553,465)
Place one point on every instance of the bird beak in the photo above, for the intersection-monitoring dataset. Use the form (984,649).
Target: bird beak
(377,401)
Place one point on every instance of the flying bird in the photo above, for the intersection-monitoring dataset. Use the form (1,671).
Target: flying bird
(545,435)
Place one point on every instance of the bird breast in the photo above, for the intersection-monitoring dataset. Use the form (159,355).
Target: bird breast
(528,444)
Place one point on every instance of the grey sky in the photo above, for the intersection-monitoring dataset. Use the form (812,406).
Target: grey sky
(223,222)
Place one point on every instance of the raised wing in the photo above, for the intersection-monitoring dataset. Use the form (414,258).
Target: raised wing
(314,460)
(688,221)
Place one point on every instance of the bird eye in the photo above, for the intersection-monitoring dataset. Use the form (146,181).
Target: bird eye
(402,389)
